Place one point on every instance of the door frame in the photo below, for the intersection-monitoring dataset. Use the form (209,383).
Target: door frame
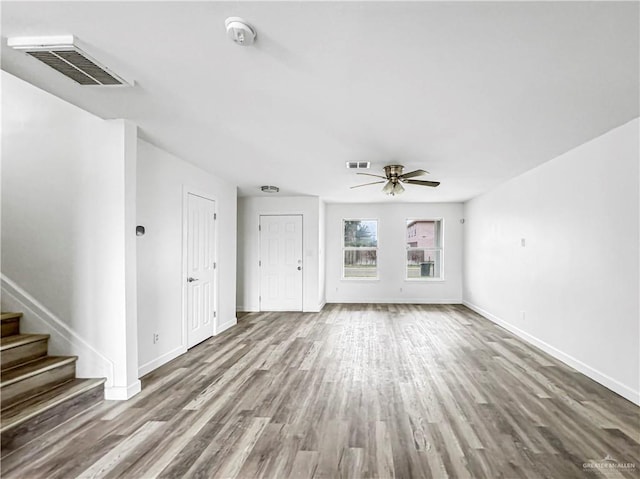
(186,191)
(260,215)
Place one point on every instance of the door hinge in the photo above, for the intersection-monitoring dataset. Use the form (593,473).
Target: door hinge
(259,298)
(260,263)
(215,216)
(215,314)
(215,265)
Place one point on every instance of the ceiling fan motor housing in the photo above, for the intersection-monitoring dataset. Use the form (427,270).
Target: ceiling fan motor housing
(393,171)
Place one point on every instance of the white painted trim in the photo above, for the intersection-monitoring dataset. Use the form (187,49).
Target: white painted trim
(319,308)
(601,378)
(120,393)
(260,259)
(248,308)
(186,191)
(441,279)
(424,280)
(397,301)
(221,328)
(160,360)
(359,248)
(359,280)
(51,322)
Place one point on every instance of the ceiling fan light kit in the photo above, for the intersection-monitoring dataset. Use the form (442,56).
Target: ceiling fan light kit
(394,178)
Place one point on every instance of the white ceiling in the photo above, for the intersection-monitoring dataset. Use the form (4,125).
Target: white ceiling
(476,93)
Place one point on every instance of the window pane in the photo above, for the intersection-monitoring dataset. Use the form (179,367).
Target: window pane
(423,263)
(423,233)
(362,233)
(361,264)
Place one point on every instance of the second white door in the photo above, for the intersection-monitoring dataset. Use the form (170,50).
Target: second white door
(281,263)
(201,266)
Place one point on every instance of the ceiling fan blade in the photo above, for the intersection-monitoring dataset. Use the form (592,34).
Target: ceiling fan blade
(369,174)
(412,174)
(367,184)
(423,183)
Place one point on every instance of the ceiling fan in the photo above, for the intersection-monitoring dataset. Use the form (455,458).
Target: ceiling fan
(394,179)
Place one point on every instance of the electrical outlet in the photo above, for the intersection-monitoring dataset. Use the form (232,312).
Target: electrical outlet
(156,338)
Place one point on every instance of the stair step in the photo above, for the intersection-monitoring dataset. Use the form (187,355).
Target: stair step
(19,340)
(21,348)
(22,382)
(10,323)
(27,420)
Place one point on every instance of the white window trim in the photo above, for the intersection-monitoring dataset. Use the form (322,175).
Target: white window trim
(363,248)
(441,279)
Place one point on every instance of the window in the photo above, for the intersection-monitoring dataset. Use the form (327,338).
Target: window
(360,249)
(424,249)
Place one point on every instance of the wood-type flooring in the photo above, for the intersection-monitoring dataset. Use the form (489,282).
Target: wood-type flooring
(356,391)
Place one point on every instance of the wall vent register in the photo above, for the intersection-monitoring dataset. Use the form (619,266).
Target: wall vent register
(358,165)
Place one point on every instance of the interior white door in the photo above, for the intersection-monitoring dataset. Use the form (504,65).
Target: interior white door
(281,263)
(201,266)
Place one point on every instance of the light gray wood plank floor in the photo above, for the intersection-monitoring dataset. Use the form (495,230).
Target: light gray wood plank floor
(389,391)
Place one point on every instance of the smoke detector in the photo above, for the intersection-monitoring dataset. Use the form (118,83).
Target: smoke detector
(240,31)
(63,55)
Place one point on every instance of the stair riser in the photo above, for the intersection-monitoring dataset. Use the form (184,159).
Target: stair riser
(29,387)
(21,354)
(20,434)
(10,327)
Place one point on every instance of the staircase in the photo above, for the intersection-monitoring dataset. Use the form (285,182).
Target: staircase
(37,391)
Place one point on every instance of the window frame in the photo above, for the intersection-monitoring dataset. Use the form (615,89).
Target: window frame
(427,279)
(360,248)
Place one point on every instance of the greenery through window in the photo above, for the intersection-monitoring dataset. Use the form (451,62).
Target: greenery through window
(424,249)
(360,249)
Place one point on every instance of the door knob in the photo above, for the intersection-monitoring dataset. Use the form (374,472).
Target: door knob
(299,268)
(191,280)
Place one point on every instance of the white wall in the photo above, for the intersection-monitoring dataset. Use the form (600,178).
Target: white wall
(322,256)
(392,287)
(67,258)
(162,180)
(249,211)
(576,278)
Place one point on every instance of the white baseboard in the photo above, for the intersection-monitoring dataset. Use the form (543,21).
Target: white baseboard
(396,301)
(317,309)
(607,381)
(224,326)
(247,309)
(119,393)
(159,361)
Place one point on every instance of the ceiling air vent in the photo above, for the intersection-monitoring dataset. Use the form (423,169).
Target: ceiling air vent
(358,165)
(61,54)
